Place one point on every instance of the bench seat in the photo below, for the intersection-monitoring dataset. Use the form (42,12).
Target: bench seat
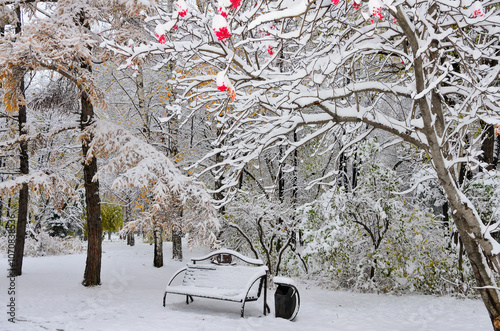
(228,282)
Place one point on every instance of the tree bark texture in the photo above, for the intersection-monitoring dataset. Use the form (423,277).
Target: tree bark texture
(496,156)
(92,275)
(130,234)
(143,111)
(130,239)
(488,146)
(176,245)
(479,248)
(176,211)
(158,238)
(22,216)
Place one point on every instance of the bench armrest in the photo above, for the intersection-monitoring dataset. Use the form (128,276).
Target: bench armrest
(262,272)
(175,275)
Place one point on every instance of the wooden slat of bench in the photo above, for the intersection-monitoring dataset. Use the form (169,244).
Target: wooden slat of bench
(219,282)
(235,283)
(203,292)
(223,277)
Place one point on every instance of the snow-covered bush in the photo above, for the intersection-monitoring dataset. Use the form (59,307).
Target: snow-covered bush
(371,238)
(44,244)
(259,227)
(484,191)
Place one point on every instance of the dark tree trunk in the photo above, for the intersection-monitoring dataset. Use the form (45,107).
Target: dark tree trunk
(488,145)
(130,239)
(176,245)
(1,208)
(158,238)
(176,229)
(295,189)
(295,180)
(219,196)
(22,216)
(176,205)
(281,178)
(9,209)
(130,234)
(446,215)
(92,274)
(496,157)
(355,171)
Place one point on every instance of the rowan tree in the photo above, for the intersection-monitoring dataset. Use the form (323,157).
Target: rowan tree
(273,67)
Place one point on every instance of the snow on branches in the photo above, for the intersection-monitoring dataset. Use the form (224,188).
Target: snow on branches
(375,8)
(224,84)
(221,28)
(477,9)
(426,74)
(136,164)
(160,34)
(181,7)
(57,185)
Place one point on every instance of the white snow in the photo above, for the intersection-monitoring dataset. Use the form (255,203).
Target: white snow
(229,282)
(284,281)
(219,22)
(228,252)
(50,297)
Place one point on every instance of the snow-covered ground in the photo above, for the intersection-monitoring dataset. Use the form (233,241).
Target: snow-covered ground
(49,297)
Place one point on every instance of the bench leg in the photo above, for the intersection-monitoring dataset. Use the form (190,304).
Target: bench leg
(266,307)
(243,309)
(187,299)
(164,298)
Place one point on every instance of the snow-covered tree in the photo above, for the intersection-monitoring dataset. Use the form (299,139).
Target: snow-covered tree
(59,37)
(134,163)
(424,71)
(370,237)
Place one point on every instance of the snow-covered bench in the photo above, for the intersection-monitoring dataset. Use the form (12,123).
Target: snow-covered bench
(222,279)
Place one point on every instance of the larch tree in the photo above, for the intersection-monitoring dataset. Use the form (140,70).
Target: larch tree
(278,66)
(132,163)
(22,215)
(59,38)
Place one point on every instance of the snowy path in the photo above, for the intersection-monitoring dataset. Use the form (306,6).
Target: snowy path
(50,297)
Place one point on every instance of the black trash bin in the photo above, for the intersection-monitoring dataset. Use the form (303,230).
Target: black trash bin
(286,298)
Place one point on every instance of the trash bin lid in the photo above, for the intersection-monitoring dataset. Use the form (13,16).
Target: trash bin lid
(284,281)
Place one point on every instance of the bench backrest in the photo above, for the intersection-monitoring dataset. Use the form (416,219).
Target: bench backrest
(227,277)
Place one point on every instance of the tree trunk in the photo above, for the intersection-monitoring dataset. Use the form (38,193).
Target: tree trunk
(482,273)
(281,178)
(496,157)
(92,275)
(22,216)
(130,239)
(143,111)
(176,222)
(219,196)
(158,240)
(488,145)
(176,245)
(478,247)
(176,213)
(130,234)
